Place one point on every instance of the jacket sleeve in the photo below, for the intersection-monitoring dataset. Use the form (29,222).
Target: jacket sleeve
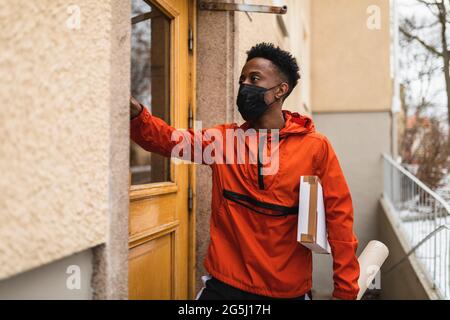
(339,220)
(155,135)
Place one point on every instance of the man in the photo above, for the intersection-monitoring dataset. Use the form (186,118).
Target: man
(253,251)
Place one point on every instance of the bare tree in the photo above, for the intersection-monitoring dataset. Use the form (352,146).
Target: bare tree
(424,144)
(432,36)
(425,55)
(432,155)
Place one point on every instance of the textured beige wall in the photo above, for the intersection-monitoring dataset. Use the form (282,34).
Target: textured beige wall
(215,104)
(110,270)
(56,130)
(350,63)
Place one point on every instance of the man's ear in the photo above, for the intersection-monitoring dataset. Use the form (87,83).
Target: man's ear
(282,90)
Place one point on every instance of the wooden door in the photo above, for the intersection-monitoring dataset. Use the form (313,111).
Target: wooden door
(161,235)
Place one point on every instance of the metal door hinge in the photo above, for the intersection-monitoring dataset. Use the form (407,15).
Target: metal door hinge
(191,40)
(190,199)
(190,117)
(221,6)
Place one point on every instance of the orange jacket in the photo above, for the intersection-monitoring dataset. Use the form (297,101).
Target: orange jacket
(253,227)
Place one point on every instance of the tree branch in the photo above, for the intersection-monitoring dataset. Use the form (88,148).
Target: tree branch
(430,48)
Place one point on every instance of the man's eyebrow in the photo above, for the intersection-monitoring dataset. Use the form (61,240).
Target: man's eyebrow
(253,72)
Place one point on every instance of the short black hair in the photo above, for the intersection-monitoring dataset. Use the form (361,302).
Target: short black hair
(285,62)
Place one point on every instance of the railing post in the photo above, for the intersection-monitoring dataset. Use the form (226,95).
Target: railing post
(433,205)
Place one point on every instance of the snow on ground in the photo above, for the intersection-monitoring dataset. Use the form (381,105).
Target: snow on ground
(434,254)
(418,220)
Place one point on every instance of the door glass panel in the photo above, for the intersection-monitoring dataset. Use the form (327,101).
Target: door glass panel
(150,84)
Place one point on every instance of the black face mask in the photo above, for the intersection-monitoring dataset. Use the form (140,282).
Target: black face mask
(251,103)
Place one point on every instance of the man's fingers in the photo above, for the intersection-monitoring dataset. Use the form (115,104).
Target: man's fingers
(135,107)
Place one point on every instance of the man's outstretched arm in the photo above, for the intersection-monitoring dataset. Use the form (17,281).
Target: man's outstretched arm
(151,133)
(155,135)
(339,220)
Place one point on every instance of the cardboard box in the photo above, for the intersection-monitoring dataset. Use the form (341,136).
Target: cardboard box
(312,230)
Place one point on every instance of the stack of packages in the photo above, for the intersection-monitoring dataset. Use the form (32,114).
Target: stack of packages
(312,230)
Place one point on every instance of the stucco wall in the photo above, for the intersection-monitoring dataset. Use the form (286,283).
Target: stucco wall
(110,272)
(350,67)
(215,104)
(56,160)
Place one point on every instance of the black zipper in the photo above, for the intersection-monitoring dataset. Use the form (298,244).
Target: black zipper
(251,203)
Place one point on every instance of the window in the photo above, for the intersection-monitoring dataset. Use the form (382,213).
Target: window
(150,84)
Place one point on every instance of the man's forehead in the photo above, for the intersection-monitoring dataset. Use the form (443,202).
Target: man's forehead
(259,65)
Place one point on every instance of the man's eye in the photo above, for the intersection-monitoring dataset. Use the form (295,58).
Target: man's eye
(255,78)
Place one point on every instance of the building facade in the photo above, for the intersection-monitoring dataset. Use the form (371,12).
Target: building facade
(69,205)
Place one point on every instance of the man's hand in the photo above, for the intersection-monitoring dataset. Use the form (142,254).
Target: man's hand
(135,107)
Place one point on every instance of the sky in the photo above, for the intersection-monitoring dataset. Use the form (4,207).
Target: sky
(433,88)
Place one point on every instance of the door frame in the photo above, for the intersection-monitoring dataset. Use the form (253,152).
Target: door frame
(179,119)
(192,90)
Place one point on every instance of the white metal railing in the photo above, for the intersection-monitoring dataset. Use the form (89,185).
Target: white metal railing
(424,219)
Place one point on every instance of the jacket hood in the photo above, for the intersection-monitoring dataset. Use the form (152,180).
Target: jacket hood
(295,123)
